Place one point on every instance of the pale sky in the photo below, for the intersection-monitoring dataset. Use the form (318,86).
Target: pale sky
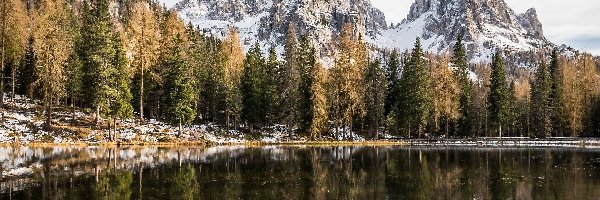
(575,23)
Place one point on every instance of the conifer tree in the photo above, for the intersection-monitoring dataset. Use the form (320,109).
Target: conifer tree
(319,111)
(270,87)
(374,96)
(144,34)
(289,81)
(119,93)
(74,85)
(414,107)
(253,77)
(555,92)
(307,67)
(53,44)
(347,80)
(445,94)
(27,75)
(459,60)
(179,100)
(541,101)
(497,100)
(13,34)
(97,54)
(233,57)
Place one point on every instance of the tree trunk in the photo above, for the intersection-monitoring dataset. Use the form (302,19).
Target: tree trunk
(14,76)
(180,130)
(500,130)
(3,54)
(73,116)
(110,137)
(49,112)
(142,93)
(97,117)
(115,129)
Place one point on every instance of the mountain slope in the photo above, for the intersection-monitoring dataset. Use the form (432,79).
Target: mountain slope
(487,25)
(268,20)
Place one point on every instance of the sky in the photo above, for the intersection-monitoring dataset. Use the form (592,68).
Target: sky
(575,23)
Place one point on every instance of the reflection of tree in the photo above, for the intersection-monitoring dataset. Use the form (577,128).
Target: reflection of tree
(184,184)
(114,185)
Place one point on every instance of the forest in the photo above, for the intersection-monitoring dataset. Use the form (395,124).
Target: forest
(144,62)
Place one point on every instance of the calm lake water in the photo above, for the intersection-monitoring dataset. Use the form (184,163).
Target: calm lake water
(299,173)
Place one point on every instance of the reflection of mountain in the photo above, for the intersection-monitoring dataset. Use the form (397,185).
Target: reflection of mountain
(276,172)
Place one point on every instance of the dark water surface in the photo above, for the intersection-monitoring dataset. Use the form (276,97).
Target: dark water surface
(299,173)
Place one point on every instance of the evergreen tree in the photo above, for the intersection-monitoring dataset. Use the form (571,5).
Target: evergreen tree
(253,76)
(414,108)
(541,101)
(270,87)
(97,54)
(119,92)
(74,82)
(27,75)
(498,96)
(179,100)
(289,81)
(375,96)
(459,60)
(307,67)
(393,88)
(555,92)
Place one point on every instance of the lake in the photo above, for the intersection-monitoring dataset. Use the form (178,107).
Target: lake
(279,172)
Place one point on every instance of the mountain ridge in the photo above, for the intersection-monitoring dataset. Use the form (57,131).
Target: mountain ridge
(487,25)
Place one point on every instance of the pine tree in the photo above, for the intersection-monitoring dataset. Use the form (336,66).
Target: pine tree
(74,85)
(179,100)
(27,75)
(307,67)
(253,77)
(374,96)
(414,108)
(119,93)
(459,60)
(555,92)
(289,81)
(541,101)
(97,54)
(498,96)
(270,86)
(393,96)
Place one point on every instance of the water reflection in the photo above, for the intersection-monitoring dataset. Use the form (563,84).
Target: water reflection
(299,173)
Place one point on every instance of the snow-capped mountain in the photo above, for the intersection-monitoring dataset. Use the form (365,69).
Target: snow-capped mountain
(267,20)
(487,25)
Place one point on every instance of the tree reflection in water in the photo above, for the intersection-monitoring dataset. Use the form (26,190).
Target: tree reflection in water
(299,173)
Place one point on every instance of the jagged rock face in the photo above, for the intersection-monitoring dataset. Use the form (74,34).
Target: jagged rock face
(268,20)
(487,25)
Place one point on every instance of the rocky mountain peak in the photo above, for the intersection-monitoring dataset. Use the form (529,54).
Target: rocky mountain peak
(487,25)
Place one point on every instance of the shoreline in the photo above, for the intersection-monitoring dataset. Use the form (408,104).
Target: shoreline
(479,142)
